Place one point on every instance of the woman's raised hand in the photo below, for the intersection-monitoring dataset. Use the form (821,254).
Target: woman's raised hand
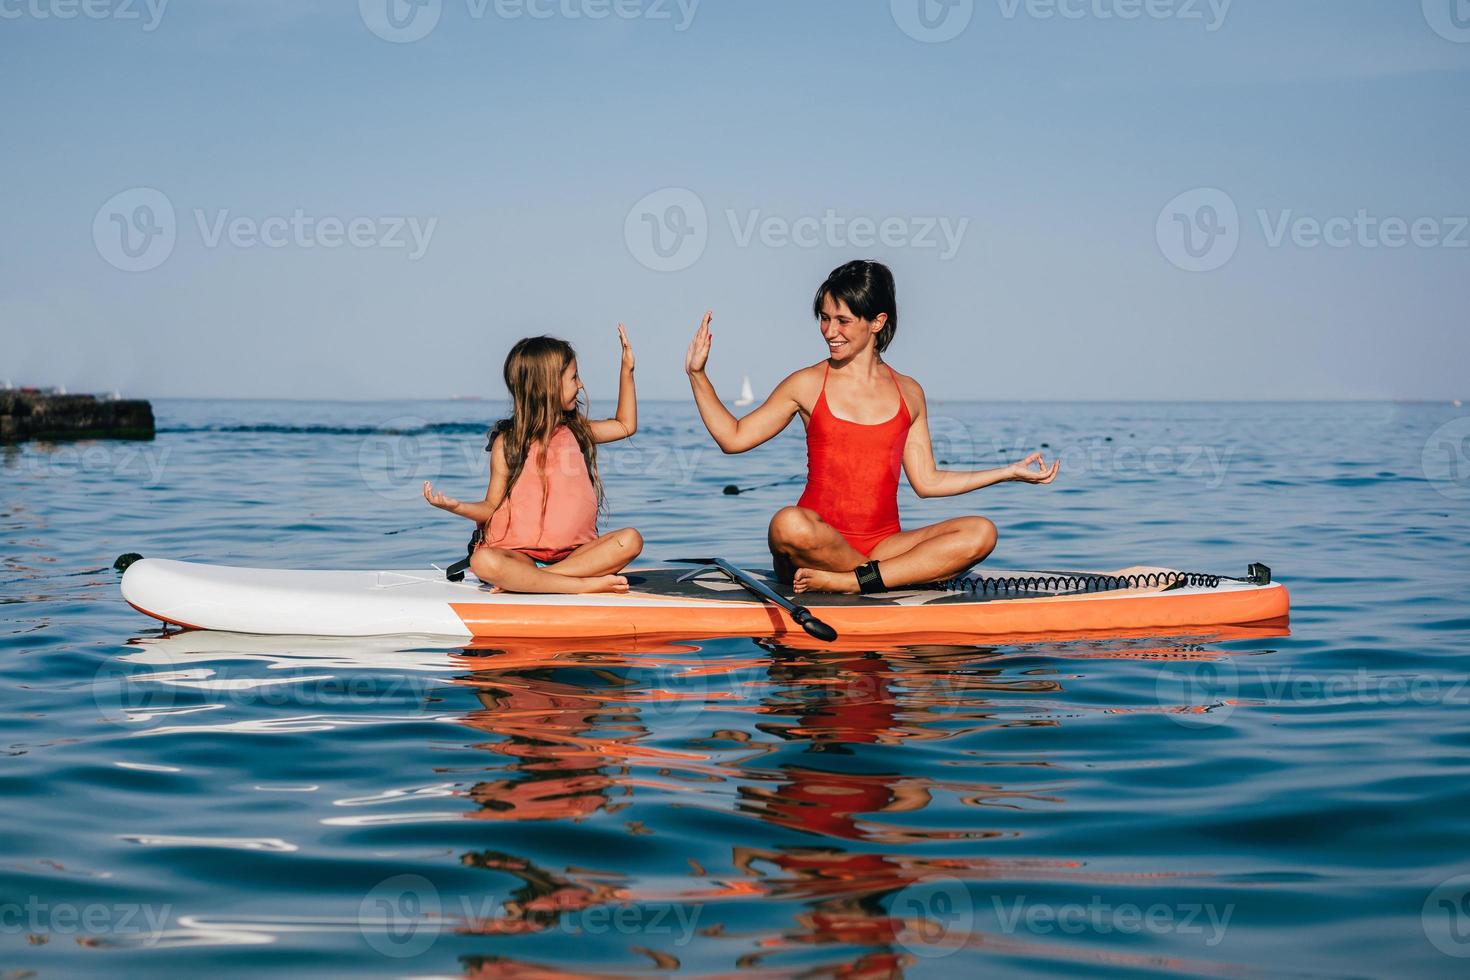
(438,499)
(627,348)
(698,353)
(1042,473)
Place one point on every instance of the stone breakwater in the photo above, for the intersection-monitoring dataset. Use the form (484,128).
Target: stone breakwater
(36,415)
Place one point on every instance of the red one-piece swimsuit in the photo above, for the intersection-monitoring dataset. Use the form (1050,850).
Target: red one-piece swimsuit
(852,471)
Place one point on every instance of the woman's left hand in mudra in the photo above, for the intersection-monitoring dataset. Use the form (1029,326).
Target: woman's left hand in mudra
(1033,469)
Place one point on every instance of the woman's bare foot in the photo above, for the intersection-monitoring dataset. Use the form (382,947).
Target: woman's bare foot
(819,580)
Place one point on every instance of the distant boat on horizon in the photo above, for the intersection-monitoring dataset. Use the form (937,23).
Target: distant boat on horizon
(747,394)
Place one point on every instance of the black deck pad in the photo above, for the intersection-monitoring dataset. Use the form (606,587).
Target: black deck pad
(710,583)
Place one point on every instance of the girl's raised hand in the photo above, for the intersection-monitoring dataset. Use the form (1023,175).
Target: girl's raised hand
(438,499)
(627,348)
(698,353)
(1023,471)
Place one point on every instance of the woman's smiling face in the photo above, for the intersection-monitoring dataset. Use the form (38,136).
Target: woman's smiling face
(847,334)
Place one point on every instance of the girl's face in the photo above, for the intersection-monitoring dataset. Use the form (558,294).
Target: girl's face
(570,385)
(847,335)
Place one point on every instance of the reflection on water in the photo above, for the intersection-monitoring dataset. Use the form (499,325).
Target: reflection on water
(762,806)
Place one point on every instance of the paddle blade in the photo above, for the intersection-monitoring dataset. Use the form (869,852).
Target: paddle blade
(818,629)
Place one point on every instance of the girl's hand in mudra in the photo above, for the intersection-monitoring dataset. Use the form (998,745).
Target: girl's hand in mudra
(438,499)
(1025,473)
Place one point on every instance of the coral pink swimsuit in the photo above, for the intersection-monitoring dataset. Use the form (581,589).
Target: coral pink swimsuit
(852,471)
(571,504)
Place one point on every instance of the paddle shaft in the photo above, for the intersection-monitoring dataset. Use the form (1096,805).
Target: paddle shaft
(800,614)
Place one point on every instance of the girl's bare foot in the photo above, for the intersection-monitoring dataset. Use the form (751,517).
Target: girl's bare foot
(604,583)
(819,580)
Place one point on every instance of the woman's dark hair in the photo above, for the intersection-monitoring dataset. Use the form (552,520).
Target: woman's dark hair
(867,289)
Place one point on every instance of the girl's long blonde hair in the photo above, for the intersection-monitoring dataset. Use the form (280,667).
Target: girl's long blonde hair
(533,371)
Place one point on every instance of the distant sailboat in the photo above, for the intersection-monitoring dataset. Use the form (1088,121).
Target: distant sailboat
(747,394)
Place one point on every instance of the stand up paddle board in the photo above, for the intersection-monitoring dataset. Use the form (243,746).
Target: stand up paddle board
(677,602)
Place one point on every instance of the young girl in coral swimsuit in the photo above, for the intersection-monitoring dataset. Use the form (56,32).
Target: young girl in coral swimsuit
(864,422)
(539,515)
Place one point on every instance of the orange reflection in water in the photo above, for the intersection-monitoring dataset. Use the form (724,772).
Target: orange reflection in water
(575,725)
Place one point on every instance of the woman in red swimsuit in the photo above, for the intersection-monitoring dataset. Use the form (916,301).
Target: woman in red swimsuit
(864,422)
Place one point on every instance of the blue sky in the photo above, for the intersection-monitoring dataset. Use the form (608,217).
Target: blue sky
(1077,204)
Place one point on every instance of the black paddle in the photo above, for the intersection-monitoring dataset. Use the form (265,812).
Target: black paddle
(801,614)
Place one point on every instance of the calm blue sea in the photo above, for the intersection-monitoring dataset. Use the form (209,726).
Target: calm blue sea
(200,804)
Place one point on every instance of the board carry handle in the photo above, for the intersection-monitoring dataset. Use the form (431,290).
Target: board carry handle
(799,613)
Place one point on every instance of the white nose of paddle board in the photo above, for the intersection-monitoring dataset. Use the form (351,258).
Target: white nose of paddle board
(290,601)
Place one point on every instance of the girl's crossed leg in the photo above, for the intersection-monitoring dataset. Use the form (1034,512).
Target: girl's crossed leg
(593,567)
